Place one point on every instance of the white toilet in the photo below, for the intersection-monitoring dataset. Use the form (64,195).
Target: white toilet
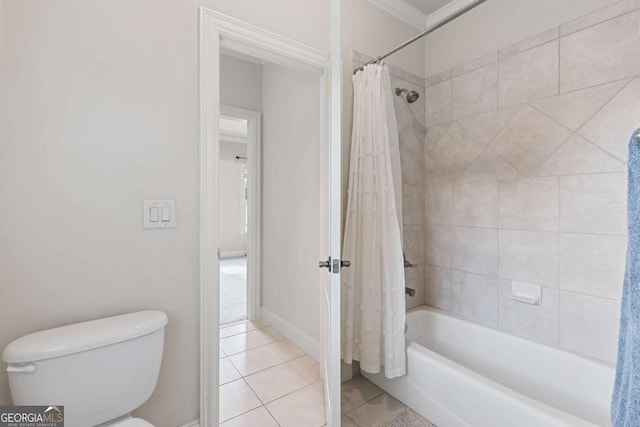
(99,370)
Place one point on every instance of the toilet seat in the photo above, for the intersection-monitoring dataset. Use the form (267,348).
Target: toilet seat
(132,422)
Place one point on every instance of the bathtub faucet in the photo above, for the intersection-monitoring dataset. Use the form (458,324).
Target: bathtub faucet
(410,292)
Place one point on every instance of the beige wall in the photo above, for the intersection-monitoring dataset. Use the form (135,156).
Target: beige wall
(496,24)
(370,31)
(98,111)
(291,199)
(240,83)
(525,180)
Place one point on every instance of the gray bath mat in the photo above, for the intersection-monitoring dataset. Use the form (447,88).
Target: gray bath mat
(408,418)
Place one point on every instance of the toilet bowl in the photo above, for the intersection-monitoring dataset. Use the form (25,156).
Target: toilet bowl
(100,370)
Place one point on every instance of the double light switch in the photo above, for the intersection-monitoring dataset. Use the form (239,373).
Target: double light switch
(159,213)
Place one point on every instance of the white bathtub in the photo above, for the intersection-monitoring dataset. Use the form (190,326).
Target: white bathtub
(462,374)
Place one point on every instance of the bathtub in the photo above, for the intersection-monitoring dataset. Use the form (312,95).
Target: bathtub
(463,374)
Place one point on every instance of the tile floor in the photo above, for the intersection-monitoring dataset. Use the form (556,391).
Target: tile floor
(233,290)
(364,404)
(266,381)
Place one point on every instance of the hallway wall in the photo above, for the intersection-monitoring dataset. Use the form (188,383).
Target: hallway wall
(290,253)
(98,111)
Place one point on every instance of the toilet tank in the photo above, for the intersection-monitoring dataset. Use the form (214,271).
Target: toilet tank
(99,370)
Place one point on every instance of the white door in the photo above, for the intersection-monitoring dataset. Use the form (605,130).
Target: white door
(331,238)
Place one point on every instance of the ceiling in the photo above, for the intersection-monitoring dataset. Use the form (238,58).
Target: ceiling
(427,6)
(421,13)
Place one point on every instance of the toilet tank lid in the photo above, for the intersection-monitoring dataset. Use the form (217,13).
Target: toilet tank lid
(83,336)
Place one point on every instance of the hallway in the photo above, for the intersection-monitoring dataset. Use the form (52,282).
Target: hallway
(233,290)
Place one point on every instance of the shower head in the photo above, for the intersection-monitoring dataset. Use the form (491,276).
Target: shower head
(411,95)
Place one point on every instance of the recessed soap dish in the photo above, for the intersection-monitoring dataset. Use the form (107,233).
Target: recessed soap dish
(526,292)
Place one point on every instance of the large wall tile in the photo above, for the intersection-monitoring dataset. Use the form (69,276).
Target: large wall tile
(528,43)
(414,243)
(611,11)
(528,75)
(573,109)
(592,264)
(529,204)
(589,325)
(437,202)
(594,204)
(454,152)
(475,92)
(474,203)
(475,296)
(412,204)
(529,139)
(487,126)
(612,126)
(475,250)
(528,256)
(474,64)
(577,156)
(438,107)
(437,78)
(536,322)
(600,54)
(488,165)
(411,139)
(437,245)
(414,279)
(437,287)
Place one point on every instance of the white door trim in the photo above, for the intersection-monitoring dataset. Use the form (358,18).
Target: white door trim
(254,203)
(221,31)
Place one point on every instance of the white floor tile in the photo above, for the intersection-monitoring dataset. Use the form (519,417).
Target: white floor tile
(307,367)
(357,391)
(346,422)
(242,342)
(257,359)
(227,372)
(236,398)
(285,350)
(275,382)
(302,408)
(376,412)
(268,334)
(259,417)
(239,328)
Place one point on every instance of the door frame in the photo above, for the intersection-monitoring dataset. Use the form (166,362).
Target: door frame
(219,31)
(254,204)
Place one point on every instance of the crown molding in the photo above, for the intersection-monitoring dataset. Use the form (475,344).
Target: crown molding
(403,11)
(415,17)
(445,11)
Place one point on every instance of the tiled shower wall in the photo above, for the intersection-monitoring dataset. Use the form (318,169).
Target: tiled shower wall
(410,118)
(525,179)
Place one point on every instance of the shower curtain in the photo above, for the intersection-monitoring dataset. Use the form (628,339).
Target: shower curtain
(373,304)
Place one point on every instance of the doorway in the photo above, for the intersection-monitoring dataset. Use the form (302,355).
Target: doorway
(239,204)
(285,328)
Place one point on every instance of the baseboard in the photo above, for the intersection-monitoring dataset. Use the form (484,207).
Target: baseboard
(195,423)
(231,254)
(293,334)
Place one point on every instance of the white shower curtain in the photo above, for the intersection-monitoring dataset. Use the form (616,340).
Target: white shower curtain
(373,304)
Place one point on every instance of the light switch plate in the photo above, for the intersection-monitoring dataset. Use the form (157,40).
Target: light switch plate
(158,206)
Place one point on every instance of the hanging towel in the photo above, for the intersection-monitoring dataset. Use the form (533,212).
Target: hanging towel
(625,404)
(372,303)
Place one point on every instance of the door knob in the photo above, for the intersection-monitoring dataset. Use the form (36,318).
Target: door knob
(344,263)
(325,264)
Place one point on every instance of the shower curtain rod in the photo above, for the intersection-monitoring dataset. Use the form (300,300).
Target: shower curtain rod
(429,30)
